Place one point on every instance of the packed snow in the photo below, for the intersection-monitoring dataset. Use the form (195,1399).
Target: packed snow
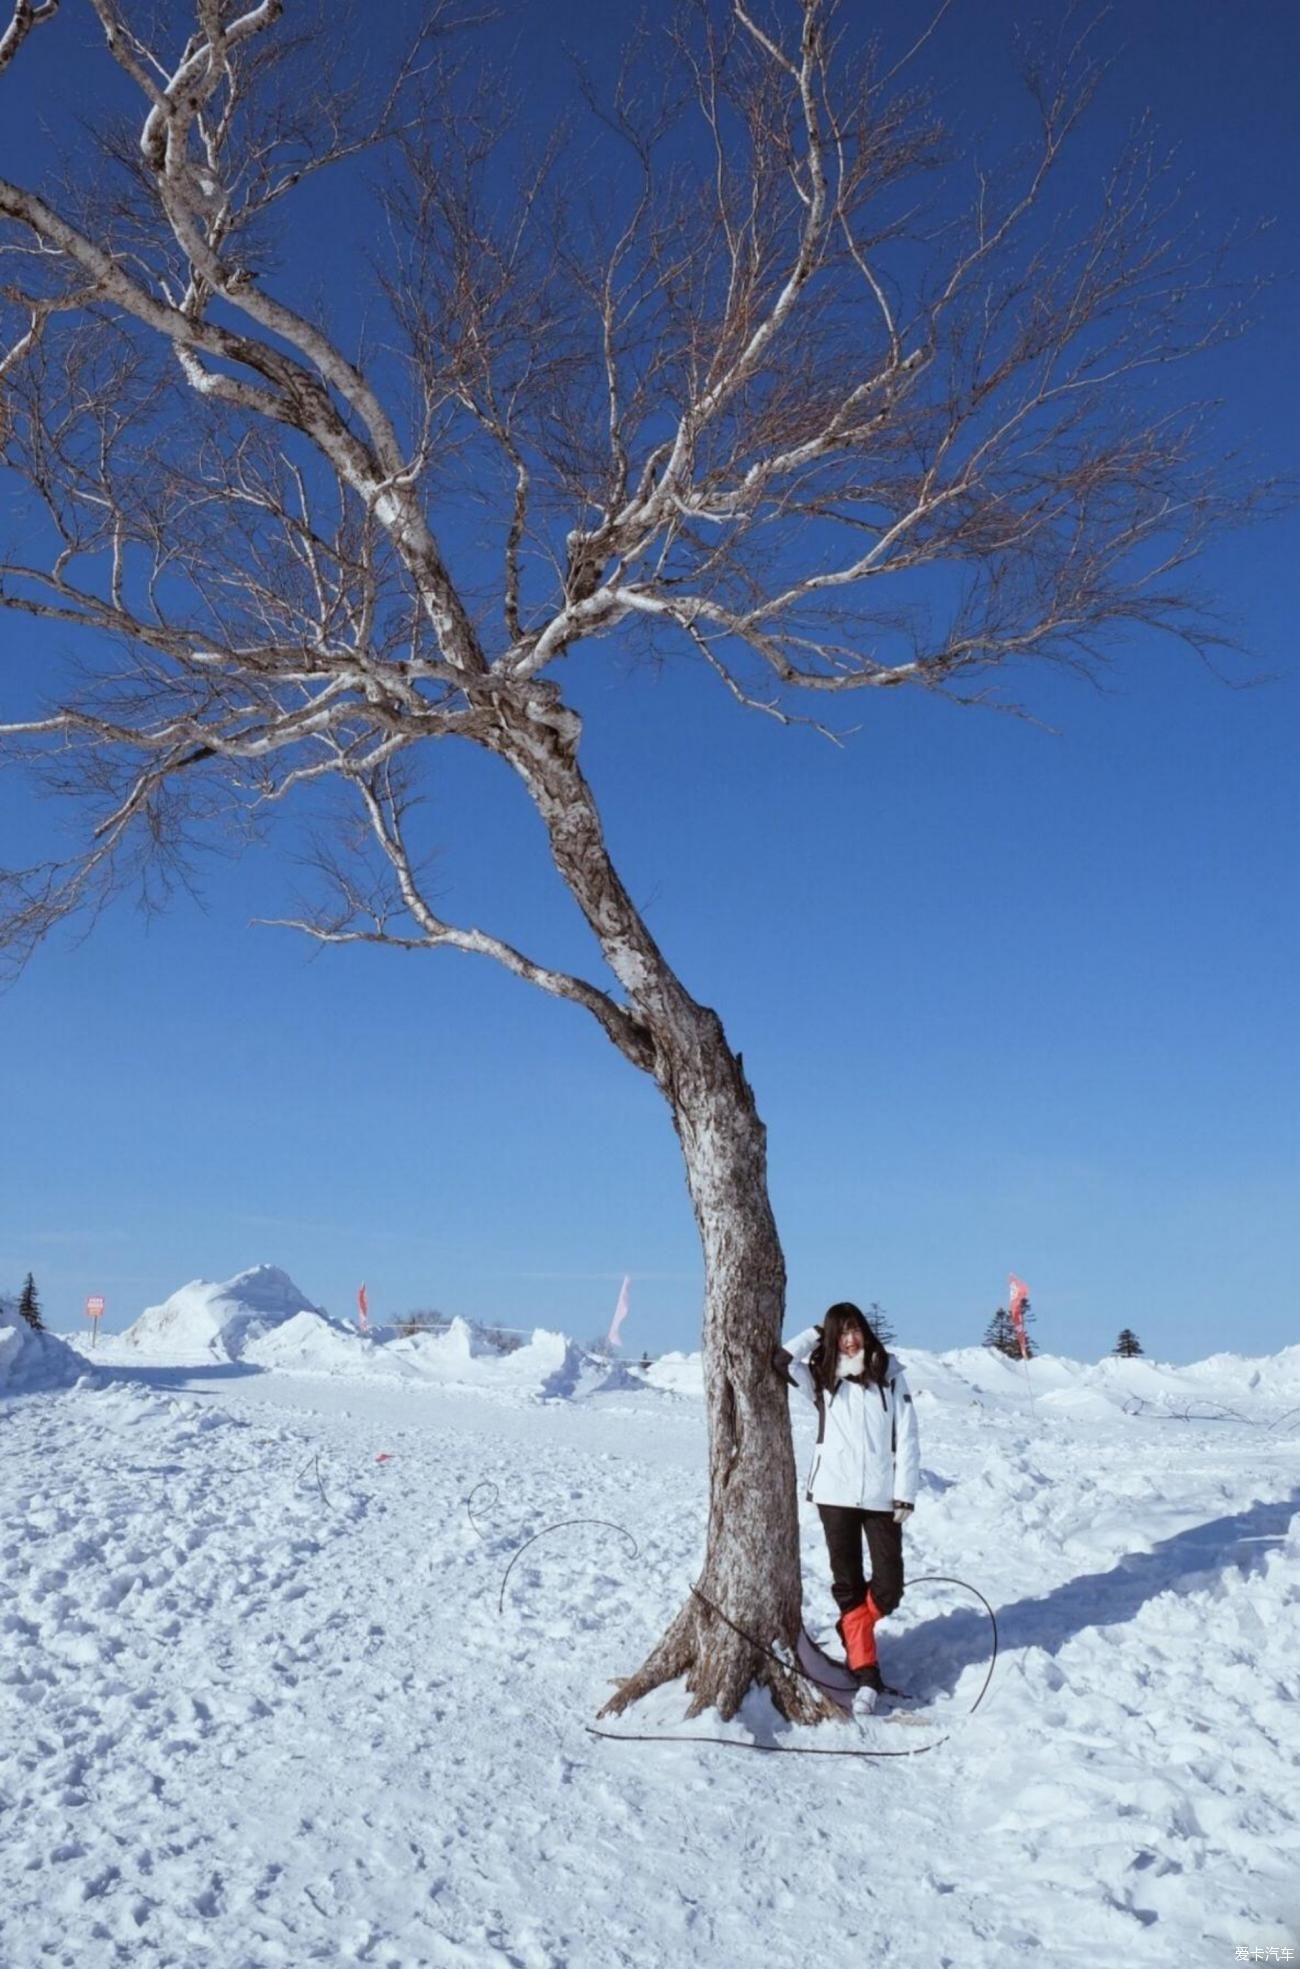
(31,1360)
(204,1317)
(258,1707)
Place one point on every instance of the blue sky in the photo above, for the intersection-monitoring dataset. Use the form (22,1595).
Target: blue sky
(1012,998)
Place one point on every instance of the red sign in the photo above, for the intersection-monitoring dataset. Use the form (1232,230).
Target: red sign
(94,1308)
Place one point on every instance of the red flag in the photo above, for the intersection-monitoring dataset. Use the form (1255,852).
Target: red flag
(1019,1300)
(362,1309)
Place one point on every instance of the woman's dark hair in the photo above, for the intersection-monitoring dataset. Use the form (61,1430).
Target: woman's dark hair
(824,1358)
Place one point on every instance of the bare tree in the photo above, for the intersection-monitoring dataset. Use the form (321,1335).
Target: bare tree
(751,401)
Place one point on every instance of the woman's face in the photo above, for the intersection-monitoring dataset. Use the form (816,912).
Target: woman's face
(851,1340)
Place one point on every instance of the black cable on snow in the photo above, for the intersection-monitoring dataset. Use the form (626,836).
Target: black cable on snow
(1138,1405)
(809,1750)
(484,1483)
(561,1524)
(320,1482)
(788,1667)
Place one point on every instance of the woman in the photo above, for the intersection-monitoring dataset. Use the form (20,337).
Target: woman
(863,1478)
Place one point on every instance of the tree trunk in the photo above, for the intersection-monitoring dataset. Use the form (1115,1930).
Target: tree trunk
(751,1564)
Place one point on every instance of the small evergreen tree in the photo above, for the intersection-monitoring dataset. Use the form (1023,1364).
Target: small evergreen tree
(1128,1345)
(1001,1335)
(880,1323)
(30,1306)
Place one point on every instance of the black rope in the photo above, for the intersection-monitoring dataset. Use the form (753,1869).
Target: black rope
(320,1483)
(787,1667)
(560,1525)
(801,1750)
(484,1483)
(1139,1405)
(739,1743)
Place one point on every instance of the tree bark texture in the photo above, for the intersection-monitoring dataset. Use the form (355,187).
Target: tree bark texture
(751,1570)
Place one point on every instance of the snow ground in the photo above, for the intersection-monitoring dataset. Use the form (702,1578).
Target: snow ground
(258,1708)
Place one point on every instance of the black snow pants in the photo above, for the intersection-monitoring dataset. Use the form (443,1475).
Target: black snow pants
(845,1530)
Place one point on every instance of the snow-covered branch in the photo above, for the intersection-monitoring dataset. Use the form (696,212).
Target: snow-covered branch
(27,14)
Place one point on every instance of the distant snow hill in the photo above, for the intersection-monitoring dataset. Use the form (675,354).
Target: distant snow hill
(1260,1389)
(261,1319)
(548,1366)
(220,1320)
(29,1360)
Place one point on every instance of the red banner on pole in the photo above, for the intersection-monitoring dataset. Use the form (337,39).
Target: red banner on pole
(1019,1300)
(363,1309)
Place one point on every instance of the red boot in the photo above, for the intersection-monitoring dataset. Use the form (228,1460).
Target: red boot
(858,1630)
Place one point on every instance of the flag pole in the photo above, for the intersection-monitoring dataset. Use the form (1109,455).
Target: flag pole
(1018,1301)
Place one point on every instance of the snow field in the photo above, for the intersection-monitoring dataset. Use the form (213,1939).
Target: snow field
(258,1708)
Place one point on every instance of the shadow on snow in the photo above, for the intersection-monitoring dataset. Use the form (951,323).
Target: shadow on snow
(176,1377)
(930,1658)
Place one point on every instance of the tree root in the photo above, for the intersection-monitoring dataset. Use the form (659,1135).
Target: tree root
(720,1666)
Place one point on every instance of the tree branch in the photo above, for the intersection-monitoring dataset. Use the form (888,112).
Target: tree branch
(27,14)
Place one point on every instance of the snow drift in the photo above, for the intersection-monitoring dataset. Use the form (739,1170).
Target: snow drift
(219,1320)
(547,1367)
(31,1361)
(312,1343)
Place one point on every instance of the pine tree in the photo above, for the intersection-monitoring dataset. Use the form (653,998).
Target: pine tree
(999,1334)
(880,1323)
(1128,1345)
(30,1306)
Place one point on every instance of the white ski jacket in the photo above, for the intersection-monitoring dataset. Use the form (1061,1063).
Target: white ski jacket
(868,1453)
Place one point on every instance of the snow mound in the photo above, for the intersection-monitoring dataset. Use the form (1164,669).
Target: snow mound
(32,1361)
(219,1320)
(313,1343)
(577,1375)
(455,1347)
(683,1374)
(547,1367)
